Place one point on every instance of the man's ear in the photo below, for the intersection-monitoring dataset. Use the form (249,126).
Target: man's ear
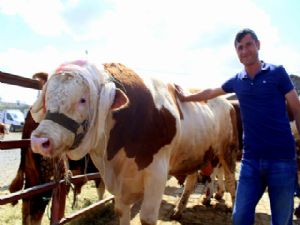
(258,44)
(120,101)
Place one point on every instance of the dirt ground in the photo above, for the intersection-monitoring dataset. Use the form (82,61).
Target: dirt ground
(198,214)
(194,214)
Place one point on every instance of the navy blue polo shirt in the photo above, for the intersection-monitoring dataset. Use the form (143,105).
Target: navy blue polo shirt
(267,133)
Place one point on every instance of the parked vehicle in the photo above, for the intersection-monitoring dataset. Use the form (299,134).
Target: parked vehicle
(13,118)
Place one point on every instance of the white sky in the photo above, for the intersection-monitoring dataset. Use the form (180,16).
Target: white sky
(189,42)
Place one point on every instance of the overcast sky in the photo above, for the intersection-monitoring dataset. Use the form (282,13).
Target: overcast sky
(189,42)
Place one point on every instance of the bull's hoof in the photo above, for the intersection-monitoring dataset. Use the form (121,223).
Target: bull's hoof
(219,196)
(176,216)
(297,212)
(206,201)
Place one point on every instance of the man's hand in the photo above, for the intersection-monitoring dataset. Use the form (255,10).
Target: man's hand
(179,93)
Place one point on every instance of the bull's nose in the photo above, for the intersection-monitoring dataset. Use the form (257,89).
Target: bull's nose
(41,145)
(39,140)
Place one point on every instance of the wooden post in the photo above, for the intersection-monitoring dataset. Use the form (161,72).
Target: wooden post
(59,193)
(58,203)
(9,78)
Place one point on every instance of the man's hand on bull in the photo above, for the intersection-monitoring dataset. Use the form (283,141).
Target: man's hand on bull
(179,92)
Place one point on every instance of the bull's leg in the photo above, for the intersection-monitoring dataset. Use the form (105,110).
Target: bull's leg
(123,212)
(220,183)
(26,219)
(152,197)
(189,187)
(230,183)
(208,187)
(100,188)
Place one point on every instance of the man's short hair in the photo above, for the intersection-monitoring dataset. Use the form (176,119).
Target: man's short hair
(242,33)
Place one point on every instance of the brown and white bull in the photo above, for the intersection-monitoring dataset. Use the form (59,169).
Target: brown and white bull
(34,169)
(135,131)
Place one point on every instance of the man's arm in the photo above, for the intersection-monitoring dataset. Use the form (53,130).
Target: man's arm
(199,96)
(294,105)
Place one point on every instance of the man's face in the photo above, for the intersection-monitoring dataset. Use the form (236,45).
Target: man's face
(247,50)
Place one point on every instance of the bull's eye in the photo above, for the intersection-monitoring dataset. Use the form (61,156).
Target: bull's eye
(82,100)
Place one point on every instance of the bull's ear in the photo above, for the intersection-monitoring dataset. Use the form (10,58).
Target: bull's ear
(37,109)
(120,101)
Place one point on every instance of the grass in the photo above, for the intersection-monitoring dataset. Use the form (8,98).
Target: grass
(13,215)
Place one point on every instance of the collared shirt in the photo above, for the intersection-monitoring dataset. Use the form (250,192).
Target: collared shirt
(267,133)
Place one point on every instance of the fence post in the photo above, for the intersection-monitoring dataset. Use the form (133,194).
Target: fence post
(58,203)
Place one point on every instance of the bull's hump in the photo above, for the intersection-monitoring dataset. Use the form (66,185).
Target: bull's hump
(140,129)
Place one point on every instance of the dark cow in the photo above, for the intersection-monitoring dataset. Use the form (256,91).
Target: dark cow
(3,130)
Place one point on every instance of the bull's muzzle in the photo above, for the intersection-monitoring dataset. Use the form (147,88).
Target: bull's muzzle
(79,129)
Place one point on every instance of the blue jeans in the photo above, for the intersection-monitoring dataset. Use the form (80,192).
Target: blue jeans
(257,174)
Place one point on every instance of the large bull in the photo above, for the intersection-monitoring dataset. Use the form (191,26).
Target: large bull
(135,131)
(34,169)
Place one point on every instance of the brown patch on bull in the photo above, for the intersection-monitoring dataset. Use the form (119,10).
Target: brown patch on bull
(211,157)
(141,129)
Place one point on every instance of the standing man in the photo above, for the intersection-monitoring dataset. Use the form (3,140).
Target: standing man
(269,156)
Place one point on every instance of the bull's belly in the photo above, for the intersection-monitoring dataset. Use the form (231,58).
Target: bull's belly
(188,158)
(184,167)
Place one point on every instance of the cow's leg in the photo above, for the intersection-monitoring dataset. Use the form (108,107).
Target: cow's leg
(208,188)
(189,187)
(30,214)
(221,185)
(26,219)
(230,183)
(100,188)
(152,197)
(123,211)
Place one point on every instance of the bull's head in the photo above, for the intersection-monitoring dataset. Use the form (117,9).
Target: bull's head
(72,110)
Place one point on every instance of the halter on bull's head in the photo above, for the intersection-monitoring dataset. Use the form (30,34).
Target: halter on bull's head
(72,110)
